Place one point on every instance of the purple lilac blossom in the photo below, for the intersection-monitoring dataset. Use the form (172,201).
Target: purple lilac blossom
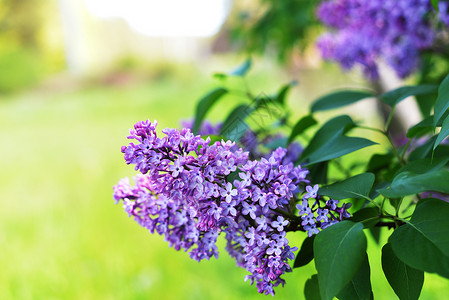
(365,31)
(185,193)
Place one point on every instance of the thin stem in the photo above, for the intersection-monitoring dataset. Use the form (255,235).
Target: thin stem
(390,117)
(405,148)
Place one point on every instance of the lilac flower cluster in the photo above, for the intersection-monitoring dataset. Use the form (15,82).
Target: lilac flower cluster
(192,190)
(367,30)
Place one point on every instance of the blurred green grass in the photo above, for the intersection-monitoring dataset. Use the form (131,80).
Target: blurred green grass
(62,237)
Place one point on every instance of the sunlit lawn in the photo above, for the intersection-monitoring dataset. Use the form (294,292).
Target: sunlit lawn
(62,237)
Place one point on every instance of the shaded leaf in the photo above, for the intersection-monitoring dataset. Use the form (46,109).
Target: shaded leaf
(339,99)
(312,289)
(426,237)
(424,150)
(442,102)
(375,233)
(424,165)
(406,281)
(318,172)
(204,106)
(358,186)
(425,126)
(339,252)
(234,126)
(378,186)
(302,125)
(330,142)
(281,95)
(359,288)
(408,183)
(365,214)
(393,97)
(443,133)
(379,161)
(305,254)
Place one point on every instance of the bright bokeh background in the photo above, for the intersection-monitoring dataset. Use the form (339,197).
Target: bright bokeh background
(65,112)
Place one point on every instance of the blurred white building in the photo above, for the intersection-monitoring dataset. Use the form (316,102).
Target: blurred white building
(98,32)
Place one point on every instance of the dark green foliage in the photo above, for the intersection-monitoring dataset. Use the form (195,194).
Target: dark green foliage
(339,252)
(302,125)
(339,99)
(405,281)
(312,288)
(408,183)
(359,288)
(205,104)
(330,141)
(423,243)
(305,254)
(358,186)
(393,97)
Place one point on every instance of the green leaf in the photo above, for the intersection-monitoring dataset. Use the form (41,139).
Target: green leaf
(442,102)
(330,142)
(393,97)
(205,104)
(302,125)
(305,254)
(424,165)
(359,288)
(280,97)
(408,183)
(318,172)
(405,281)
(242,69)
(339,252)
(378,186)
(358,186)
(220,76)
(425,126)
(375,233)
(424,150)
(366,213)
(379,161)
(339,99)
(234,127)
(312,289)
(443,133)
(435,4)
(423,243)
